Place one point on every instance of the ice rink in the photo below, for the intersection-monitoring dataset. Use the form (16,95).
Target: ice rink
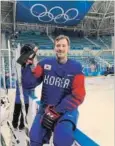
(96,118)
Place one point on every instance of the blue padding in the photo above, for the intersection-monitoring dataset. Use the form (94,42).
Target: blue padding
(83,139)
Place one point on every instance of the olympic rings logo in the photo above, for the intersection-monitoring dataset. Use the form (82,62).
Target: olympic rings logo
(62,17)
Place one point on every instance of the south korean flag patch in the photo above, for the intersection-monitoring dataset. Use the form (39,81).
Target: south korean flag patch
(47,67)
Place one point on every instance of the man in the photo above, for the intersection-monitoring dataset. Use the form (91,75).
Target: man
(28,89)
(62,92)
(18,109)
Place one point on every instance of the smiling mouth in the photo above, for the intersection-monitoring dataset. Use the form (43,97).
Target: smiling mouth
(59,52)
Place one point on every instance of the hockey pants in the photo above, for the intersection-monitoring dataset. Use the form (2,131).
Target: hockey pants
(62,135)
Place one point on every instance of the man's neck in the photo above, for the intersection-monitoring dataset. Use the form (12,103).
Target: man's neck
(62,60)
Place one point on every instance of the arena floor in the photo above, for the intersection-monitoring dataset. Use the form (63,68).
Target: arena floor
(96,118)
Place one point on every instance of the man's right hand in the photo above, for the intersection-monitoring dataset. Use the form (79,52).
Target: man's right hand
(50,117)
(31,57)
(29,61)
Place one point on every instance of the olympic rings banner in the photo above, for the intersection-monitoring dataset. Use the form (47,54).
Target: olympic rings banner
(64,13)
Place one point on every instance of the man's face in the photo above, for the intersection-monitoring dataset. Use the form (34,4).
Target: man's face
(61,48)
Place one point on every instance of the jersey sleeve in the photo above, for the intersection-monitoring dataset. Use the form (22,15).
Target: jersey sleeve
(38,71)
(29,81)
(73,100)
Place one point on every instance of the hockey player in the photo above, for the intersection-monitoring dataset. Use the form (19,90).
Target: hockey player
(62,92)
(28,91)
(17,109)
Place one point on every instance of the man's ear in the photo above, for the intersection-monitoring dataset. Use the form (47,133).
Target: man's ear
(68,48)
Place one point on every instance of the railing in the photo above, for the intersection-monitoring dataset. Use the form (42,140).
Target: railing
(76,43)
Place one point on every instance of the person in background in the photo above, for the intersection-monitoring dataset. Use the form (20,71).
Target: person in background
(18,109)
(27,92)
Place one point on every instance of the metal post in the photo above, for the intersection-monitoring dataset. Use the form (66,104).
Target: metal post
(9,57)
(14,15)
(3,72)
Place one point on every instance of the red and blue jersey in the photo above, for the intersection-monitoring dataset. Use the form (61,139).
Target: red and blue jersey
(63,87)
(63,84)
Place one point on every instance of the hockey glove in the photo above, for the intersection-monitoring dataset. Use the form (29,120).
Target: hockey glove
(50,117)
(26,51)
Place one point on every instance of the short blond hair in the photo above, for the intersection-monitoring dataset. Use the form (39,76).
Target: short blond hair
(60,37)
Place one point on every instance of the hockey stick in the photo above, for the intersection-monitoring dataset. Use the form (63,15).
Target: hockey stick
(3,143)
(11,128)
(23,110)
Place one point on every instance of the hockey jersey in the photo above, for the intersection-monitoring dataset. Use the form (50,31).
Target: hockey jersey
(17,99)
(63,84)
(29,82)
